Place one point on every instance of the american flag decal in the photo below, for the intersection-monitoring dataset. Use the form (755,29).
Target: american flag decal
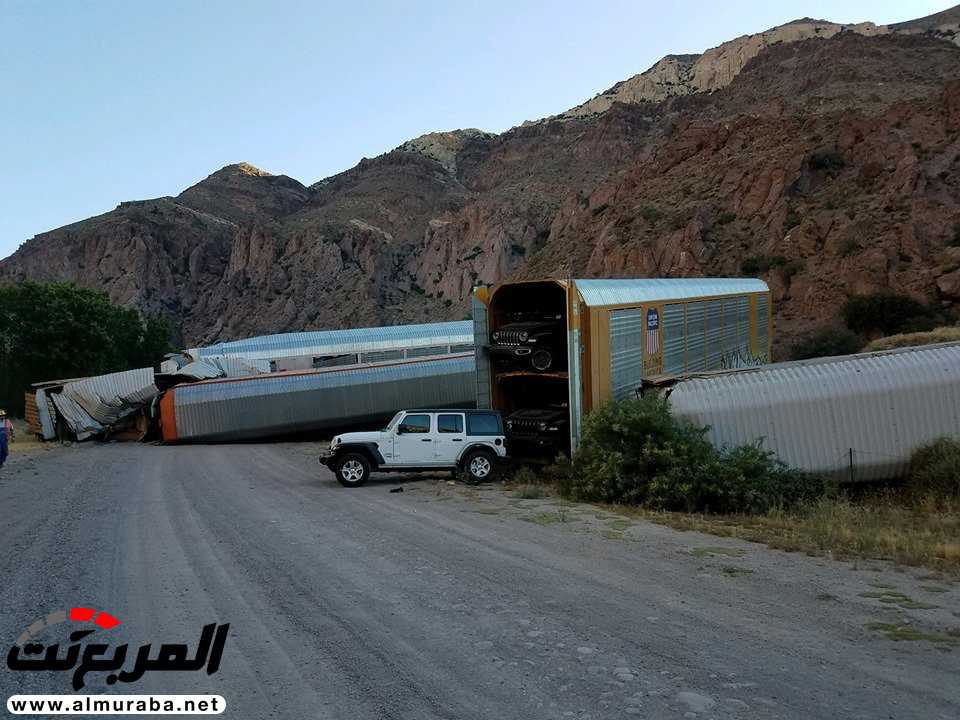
(653,331)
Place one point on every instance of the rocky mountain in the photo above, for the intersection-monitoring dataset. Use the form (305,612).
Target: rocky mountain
(826,161)
(717,67)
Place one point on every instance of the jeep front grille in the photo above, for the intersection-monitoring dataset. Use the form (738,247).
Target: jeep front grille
(508,337)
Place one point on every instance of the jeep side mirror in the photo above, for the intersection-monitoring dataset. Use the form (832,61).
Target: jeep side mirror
(399,429)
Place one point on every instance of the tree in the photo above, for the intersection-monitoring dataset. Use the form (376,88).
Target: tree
(826,342)
(59,330)
(888,313)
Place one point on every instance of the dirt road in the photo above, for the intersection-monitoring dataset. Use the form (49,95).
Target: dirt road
(448,602)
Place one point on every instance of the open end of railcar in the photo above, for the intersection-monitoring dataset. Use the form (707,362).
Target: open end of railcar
(528,345)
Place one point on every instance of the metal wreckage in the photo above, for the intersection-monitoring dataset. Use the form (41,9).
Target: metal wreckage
(544,354)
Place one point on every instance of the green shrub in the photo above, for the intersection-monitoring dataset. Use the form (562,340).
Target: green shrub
(558,473)
(754,265)
(826,342)
(727,218)
(57,329)
(651,214)
(849,245)
(830,162)
(935,468)
(890,313)
(788,268)
(792,220)
(636,452)
(518,249)
(955,242)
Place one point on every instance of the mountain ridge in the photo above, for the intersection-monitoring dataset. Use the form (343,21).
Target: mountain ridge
(692,184)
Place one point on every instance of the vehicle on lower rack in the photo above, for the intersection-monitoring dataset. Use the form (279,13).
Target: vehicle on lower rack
(541,430)
(469,442)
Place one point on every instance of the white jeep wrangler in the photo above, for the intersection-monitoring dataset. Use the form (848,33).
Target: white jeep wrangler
(468,442)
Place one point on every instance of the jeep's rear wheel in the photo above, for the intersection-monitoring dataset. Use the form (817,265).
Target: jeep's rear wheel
(541,360)
(352,470)
(479,466)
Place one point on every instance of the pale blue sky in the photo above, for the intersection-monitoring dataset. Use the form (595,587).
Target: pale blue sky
(102,102)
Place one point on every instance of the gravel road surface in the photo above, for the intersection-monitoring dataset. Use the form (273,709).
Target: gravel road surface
(446,601)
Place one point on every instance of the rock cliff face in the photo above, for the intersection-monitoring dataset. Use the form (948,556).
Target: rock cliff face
(829,164)
(717,67)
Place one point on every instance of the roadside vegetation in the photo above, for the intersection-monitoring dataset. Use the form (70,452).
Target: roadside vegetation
(59,330)
(946,333)
(876,321)
(637,459)
(635,452)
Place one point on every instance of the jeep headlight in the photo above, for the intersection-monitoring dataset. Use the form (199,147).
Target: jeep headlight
(524,336)
(542,426)
(334,442)
(496,337)
(509,424)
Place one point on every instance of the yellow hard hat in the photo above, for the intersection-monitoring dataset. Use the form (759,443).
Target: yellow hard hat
(3,412)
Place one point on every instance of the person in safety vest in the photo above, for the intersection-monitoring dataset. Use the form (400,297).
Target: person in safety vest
(6,435)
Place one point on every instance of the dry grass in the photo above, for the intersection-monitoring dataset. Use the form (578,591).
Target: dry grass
(25,439)
(877,526)
(947,333)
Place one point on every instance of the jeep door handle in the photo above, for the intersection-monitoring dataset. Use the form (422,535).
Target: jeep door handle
(425,440)
(457,439)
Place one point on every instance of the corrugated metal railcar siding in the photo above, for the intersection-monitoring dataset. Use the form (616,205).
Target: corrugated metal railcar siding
(607,292)
(45,412)
(812,413)
(335,342)
(714,334)
(481,333)
(762,324)
(743,327)
(109,397)
(729,331)
(279,404)
(30,413)
(695,338)
(575,384)
(626,351)
(674,352)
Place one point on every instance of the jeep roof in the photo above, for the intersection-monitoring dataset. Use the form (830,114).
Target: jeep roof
(452,410)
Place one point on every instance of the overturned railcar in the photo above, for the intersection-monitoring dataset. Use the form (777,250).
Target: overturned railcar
(320,349)
(294,402)
(855,418)
(549,351)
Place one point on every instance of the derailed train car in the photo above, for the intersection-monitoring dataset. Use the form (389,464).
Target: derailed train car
(322,380)
(549,351)
(856,418)
(293,402)
(318,349)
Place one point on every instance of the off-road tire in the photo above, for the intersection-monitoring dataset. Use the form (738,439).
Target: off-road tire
(478,466)
(352,469)
(541,360)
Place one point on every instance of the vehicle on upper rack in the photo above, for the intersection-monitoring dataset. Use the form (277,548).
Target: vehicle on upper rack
(471,443)
(531,341)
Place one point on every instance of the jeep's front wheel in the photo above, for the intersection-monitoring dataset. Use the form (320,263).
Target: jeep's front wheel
(352,470)
(479,466)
